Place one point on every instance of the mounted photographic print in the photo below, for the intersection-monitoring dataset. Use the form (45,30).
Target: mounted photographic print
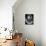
(29,19)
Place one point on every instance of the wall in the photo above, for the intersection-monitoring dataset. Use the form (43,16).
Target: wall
(43,22)
(29,31)
(6,13)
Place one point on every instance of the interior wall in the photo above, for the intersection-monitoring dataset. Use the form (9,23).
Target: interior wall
(43,22)
(29,31)
(6,13)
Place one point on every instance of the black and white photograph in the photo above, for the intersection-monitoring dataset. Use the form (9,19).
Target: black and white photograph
(29,19)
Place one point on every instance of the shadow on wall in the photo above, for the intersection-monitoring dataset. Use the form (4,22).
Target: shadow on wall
(13,44)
